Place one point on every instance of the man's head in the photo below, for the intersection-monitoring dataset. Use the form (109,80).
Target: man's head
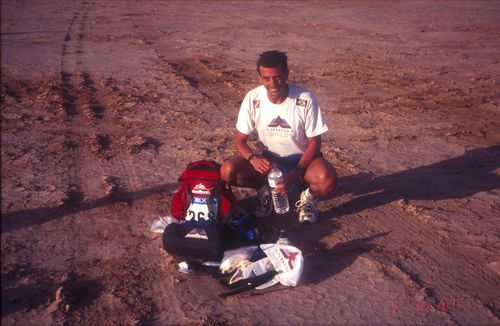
(271,59)
(272,68)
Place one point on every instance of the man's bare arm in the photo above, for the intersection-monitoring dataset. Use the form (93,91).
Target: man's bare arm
(312,151)
(259,163)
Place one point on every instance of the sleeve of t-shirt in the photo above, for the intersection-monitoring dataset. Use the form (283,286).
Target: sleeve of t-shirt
(314,124)
(245,123)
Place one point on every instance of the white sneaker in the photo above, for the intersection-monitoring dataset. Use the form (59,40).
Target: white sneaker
(266,202)
(306,207)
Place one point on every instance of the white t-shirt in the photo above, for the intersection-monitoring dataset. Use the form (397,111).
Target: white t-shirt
(283,128)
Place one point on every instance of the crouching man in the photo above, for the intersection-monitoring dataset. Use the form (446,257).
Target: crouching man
(287,120)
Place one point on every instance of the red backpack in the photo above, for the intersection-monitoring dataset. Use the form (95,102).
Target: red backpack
(202,194)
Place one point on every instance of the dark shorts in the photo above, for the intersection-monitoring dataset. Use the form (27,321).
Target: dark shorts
(285,164)
(288,163)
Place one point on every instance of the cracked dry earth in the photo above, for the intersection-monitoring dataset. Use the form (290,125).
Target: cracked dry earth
(105,102)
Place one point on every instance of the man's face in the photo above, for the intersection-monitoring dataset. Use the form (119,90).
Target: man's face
(274,80)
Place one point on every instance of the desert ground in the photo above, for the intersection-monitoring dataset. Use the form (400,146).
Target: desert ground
(103,103)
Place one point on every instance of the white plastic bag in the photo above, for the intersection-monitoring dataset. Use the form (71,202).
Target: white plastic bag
(235,258)
(252,269)
(160,223)
(285,259)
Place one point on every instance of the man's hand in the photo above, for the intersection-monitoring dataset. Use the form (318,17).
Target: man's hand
(289,180)
(260,164)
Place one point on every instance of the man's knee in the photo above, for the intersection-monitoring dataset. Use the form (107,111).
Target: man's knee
(227,172)
(323,178)
(329,182)
(326,182)
(231,168)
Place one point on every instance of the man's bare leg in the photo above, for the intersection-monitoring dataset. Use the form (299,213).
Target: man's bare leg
(239,172)
(321,177)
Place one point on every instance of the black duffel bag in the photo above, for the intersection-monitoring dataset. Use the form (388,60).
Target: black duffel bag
(192,240)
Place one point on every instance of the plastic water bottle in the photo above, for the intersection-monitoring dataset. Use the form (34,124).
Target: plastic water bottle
(280,199)
(283,239)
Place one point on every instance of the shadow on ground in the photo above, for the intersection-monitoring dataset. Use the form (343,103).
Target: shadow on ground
(73,292)
(325,263)
(28,217)
(458,177)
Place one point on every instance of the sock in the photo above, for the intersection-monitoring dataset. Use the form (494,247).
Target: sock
(311,195)
(308,194)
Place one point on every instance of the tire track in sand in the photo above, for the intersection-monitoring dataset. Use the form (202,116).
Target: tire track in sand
(87,139)
(102,173)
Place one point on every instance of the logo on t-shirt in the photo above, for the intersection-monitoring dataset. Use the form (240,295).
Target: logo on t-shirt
(279,122)
(301,102)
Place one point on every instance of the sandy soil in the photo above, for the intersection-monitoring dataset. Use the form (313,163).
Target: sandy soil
(104,103)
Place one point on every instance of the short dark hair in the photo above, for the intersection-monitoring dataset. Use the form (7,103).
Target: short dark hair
(271,59)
